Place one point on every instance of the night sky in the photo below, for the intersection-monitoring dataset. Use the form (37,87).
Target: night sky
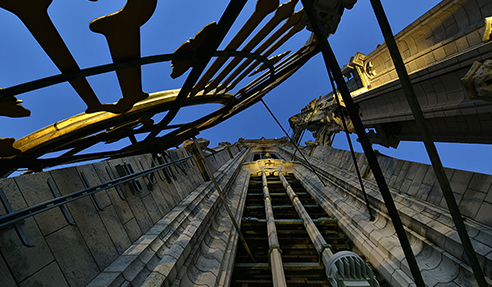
(173,23)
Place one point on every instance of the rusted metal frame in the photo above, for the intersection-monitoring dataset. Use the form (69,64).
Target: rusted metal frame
(228,18)
(224,201)
(262,9)
(18,229)
(282,13)
(323,248)
(428,142)
(287,26)
(332,64)
(275,253)
(19,215)
(246,71)
(352,152)
(296,147)
(184,132)
(92,71)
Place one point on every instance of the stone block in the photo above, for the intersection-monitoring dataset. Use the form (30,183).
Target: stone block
(49,276)
(471,202)
(34,188)
(107,279)
(423,191)
(73,256)
(154,212)
(93,180)
(121,264)
(154,279)
(460,181)
(480,182)
(22,261)
(435,195)
(430,177)
(399,278)
(121,207)
(7,277)
(86,217)
(133,229)
(140,212)
(483,215)
(115,229)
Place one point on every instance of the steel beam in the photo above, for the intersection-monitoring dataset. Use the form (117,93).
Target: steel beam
(428,142)
(332,64)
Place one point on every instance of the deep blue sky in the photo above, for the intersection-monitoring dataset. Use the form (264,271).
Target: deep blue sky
(173,23)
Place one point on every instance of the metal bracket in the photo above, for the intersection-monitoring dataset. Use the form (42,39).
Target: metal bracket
(18,228)
(53,189)
(159,171)
(111,176)
(126,169)
(93,196)
(150,176)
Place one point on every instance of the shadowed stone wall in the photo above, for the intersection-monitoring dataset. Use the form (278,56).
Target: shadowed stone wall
(418,199)
(73,255)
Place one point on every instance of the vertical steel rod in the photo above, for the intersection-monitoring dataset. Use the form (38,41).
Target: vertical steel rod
(332,64)
(427,139)
(219,190)
(352,152)
(275,254)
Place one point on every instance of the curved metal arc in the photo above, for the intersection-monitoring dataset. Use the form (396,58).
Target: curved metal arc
(69,130)
(97,70)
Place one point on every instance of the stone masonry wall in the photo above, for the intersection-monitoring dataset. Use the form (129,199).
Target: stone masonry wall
(73,255)
(447,29)
(430,229)
(473,191)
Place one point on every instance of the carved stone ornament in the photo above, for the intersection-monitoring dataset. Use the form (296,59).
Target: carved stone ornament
(329,13)
(488,30)
(478,81)
(190,145)
(321,117)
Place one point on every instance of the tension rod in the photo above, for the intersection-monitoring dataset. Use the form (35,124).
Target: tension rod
(290,139)
(332,64)
(221,195)
(428,142)
(352,152)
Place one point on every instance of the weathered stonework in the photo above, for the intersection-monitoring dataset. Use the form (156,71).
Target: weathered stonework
(438,50)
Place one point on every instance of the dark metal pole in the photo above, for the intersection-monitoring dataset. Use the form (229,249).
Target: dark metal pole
(332,64)
(219,190)
(428,142)
(213,42)
(352,152)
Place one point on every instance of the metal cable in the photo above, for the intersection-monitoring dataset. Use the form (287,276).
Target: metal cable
(290,139)
(352,152)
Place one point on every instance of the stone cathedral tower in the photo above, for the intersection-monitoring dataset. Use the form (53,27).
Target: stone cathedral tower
(258,212)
